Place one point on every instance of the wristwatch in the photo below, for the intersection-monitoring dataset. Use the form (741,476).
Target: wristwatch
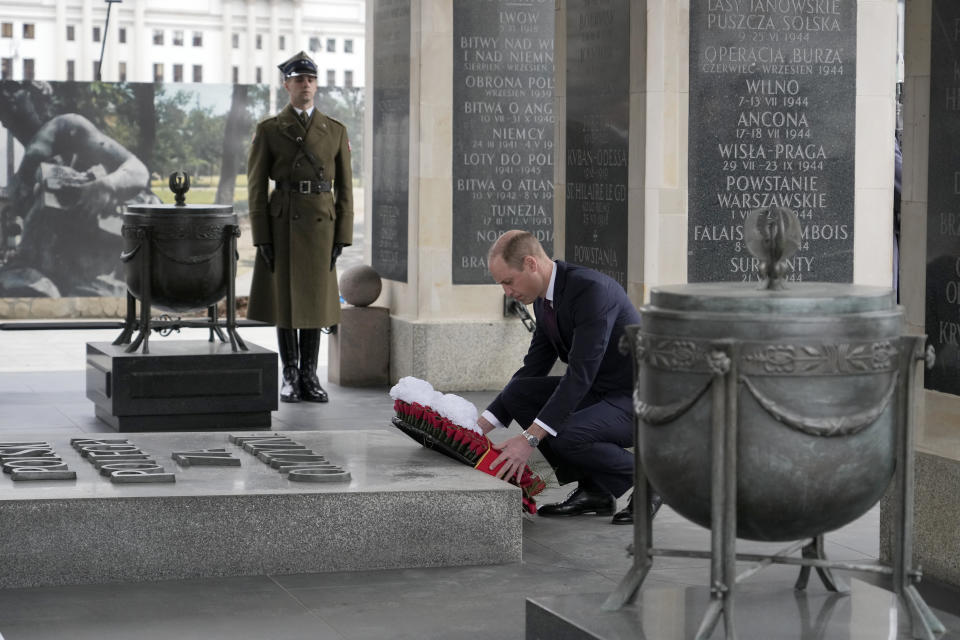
(533,440)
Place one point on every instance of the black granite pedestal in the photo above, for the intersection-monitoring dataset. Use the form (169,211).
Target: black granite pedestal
(185,385)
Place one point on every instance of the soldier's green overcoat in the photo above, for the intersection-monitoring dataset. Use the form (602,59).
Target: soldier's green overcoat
(302,290)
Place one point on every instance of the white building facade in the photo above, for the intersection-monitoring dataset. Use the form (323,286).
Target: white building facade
(213,41)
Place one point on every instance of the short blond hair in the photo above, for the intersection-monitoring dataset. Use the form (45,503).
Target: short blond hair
(515,245)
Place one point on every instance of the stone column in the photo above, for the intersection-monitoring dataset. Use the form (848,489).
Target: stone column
(60,29)
(930,255)
(226,42)
(108,72)
(273,43)
(140,68)
(298,42)
(430,243)
(85,60)
(248,70)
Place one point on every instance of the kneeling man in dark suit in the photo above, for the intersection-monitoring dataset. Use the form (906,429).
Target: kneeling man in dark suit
(582,421)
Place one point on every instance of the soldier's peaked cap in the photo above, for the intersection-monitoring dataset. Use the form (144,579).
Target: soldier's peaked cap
(300,64)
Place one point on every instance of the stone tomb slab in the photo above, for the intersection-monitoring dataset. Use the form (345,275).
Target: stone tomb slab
(182,385)
(402,507)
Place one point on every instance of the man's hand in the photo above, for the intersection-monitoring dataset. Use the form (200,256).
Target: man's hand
(265,251)
(337,250)
(514,453)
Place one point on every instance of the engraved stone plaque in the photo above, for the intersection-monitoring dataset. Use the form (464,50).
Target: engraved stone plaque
(598,122)
(391,144)
(503,127)
(772,121)
(943,208)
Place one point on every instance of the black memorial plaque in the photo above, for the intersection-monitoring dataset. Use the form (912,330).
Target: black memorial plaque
(598,121)
(772,121)
(503,127)
(943,199)
(391,142)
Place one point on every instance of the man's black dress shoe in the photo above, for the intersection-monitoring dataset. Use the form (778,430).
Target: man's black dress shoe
(580,502)
(625,516)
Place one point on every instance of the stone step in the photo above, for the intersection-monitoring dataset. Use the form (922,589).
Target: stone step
(392,505)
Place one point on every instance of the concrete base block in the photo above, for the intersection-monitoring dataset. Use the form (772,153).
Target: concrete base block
(936,535)
(457,355)
(762,611)
(182,385)
(359,354)
(403,506)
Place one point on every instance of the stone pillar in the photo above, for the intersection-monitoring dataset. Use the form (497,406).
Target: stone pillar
(60,29)
(460,111)
(930,253)
(248,71)
(273,43)
(140,69)
(85,60)
(108,72)
(298,42)
(226,44)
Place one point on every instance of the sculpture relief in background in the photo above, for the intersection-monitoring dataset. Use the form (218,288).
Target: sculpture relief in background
(68,191)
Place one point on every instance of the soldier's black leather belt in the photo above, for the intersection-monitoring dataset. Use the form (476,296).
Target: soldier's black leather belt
(306,186)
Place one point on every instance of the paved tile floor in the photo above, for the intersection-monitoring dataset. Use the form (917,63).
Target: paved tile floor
(42,389)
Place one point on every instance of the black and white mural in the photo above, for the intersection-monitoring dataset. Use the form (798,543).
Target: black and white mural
(75,153)
(72,154)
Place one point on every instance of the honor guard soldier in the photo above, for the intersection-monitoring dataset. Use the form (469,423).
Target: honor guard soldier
(300,228)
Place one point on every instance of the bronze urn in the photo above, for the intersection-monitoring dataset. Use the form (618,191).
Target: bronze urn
(179,258)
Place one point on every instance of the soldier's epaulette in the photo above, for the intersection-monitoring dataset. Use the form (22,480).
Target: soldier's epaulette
(268,119)
(336,121)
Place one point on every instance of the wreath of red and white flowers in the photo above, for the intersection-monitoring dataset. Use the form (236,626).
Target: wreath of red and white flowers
(449,421)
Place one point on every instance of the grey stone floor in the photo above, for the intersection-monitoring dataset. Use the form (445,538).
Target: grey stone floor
(42,390)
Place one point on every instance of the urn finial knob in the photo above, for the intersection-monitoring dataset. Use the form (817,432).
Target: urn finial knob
(180,184)
(772,234)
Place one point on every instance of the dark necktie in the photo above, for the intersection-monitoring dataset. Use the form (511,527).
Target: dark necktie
(303,119)
(550,322)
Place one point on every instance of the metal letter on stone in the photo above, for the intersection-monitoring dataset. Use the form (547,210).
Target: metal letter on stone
(141,476)
(299,463)
(39,469)
(33,461)
(313,474)
(121,461)
(206,457)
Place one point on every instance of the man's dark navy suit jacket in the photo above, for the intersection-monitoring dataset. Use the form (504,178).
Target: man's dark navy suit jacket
(592,311)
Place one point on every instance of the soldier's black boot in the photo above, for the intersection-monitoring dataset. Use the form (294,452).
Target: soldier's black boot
(290,387)
(310,389)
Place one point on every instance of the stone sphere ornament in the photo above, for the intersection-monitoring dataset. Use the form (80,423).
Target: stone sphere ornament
(360,285)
